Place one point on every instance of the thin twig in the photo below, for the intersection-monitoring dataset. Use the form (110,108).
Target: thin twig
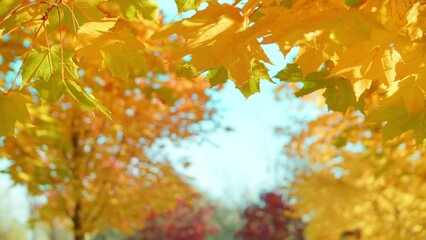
(24,60)
(61,44)
(81,10)
(18,26)
(75,22)
(44,19)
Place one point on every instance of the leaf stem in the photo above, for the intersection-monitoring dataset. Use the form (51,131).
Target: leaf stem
(18,26)
(81,10)
(61,44)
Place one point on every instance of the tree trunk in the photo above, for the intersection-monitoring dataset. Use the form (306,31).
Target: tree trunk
(78,235)
(76,218)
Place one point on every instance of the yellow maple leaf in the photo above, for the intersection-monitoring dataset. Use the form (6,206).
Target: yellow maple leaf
(407,91)
(215,37)
(13,108)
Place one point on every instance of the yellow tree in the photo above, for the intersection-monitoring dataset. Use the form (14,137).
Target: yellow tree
(356,184)
(62,44)
(94,171)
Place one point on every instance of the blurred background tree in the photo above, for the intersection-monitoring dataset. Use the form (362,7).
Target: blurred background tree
(271,220)
(187,221)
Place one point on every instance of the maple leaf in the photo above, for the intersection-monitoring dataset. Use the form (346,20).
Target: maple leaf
(52,90)
(85,100)
(214,38)
(13,108)
(291,73)
(339,92)
(47,63)
(217,76)
(186,5)
(89,35)
(409,92)
(340,96)
(132,8)
(186,70)
(399,121)
(259,72)
(39,65)
(45,68)
(413,63)
(119,54)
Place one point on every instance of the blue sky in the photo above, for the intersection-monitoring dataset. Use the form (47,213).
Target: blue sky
(238,165)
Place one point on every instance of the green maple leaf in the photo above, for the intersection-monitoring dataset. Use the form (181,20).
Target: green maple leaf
(46,63)
(44,68)
(398,121)
(311,83)
(131,8)
(186,70)
(50,91)
(291,73)
(186,5)
(85,100)
(13,108)
(217,76)
(259,72)
(339,92)
(315,81)
(38,66)
(340,96)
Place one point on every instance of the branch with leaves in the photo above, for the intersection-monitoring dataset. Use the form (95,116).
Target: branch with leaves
(360,55)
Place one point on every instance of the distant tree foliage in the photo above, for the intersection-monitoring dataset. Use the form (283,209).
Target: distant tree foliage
(185,222)
(271,220)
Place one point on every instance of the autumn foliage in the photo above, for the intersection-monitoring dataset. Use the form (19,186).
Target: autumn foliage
(356,183)
(358,54)
(94,170)
(187,221)
(87,88)
(271,220)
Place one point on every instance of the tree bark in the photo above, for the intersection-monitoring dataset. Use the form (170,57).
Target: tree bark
(76,218)
(78,235)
